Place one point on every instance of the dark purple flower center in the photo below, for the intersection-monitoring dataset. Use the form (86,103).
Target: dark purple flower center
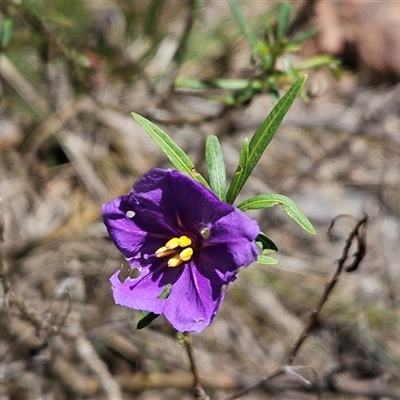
(182,247)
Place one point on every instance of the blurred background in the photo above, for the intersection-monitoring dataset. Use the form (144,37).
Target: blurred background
(71,72)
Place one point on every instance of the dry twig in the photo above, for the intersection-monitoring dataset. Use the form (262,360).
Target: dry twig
(357,235)
(198,390)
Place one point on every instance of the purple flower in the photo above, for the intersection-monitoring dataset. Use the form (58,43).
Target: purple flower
(174,231)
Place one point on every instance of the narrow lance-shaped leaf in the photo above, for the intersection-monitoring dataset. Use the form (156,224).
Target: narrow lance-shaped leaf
(317,61)
(265,243)
(179,159)
(244,27)
(217,83)
(267,246)
(266,260)
(216,167)
(301,37)
(262,138)
(6,27)
(239,177)
(284,14)
(145,319)
(289,206)
(259,48)
(266,131)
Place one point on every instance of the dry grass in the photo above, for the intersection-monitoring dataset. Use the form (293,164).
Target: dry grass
(64,153)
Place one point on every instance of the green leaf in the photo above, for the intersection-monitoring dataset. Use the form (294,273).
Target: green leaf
(289,206)
(293,73)
(258,47)
(284,15)
(265,243)
(262,138)
(244,27)
(217,83)
(270,125)
(320,60)
(289,69)
(175,154)
(231,84)
(301,37)
(146,317)
(239,177)
(266,260)
(6,27)
(216,167)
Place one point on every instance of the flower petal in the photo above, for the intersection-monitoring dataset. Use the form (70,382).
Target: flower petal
(231,244)
(193,302)
(183,202)
(124,218)
(142,293)
(127,236)
(164,204)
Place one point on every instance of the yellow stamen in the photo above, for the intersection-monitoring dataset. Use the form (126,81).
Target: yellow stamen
(172,247)
(163,252)
(174,261)
(182,241)
(172,243)
(186,254)
(185,241)
(178,259)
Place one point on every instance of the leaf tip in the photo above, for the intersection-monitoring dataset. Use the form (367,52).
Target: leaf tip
(312,231)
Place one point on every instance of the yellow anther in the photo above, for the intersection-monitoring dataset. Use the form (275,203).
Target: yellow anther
(163,252)
(171,248)
(185,241)
(172,243)
(174,261)
(186,254)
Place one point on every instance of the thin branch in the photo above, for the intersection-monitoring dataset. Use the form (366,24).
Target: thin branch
(357,235)
(197,387)
(258,383)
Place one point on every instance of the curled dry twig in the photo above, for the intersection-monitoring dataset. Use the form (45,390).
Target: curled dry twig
(358,237)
